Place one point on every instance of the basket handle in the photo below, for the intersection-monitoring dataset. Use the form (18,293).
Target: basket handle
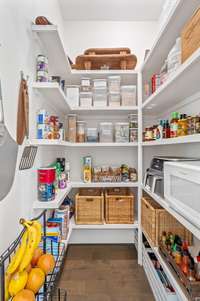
(89,200)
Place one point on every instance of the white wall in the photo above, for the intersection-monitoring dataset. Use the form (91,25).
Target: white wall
(138,36)
(18,52)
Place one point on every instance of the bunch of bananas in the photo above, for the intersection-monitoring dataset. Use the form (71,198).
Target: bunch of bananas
(17,268)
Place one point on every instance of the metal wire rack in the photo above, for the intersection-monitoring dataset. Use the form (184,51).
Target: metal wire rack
(48,291)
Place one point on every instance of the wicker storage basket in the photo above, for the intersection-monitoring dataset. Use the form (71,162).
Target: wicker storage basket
(155,220)
(190,36)
(89,209)
(119,209)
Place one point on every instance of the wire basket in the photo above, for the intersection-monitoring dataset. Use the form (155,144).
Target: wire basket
(48,291)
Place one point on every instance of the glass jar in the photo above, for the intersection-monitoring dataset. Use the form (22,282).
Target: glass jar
(81,125)
(183,125)
(133,134)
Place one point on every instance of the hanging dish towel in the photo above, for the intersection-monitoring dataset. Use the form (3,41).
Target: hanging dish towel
(23,112)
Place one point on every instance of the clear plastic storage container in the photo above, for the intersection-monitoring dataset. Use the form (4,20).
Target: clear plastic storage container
(100,97)
(122,132)
(81,126)
(92,135)
(100,83)
(114,84)
(85,99)
(114,99)
(133,134)
(128,95)
(106,132)
(72,93)
(86,85)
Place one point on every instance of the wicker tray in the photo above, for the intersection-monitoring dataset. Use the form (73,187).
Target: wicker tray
(191,288)
(107,51)
(112,61)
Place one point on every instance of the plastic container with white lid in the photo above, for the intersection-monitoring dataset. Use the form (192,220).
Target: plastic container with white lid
(128,95)
(86,85)
(100,83)
(92,135)
(81,126)
(100,100)
(105,132)
(114,99)
(114,84)
(122,132)
(85,99)
(72,93)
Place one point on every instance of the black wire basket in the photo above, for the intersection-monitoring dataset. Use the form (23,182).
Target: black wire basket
(57,249)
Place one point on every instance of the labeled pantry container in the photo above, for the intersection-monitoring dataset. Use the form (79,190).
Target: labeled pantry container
(100,97)
(106,132)
(72,93)
(128,95)
(114,84)
(72,127)
(81,129)
(85,99)
(122,132)
(114,99)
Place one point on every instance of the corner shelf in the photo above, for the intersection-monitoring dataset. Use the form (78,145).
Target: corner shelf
(176,88)
(55,204)
(54,95)
(51,40)
(179,140)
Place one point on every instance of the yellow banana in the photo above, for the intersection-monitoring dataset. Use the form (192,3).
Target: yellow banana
(7,280)
(31,246)
(38,227)
(18,256)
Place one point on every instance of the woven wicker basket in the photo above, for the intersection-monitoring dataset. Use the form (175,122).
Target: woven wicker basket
(89,209)
(119,209)
(156,220)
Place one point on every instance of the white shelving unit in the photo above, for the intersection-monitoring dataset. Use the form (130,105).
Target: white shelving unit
(180,86)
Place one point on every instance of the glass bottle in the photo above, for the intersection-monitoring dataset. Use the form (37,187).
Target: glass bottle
(174,125)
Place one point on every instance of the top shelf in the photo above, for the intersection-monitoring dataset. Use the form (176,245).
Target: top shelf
(181,85)
(59,63)
(181,13)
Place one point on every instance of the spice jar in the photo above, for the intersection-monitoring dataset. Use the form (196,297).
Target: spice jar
(183,125)
(132,135)
(197,124)
(80,131)
(132,174)
(190,126)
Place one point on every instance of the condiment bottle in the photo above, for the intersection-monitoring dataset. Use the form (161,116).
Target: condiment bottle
(183,125)
(178,255)
(174,125)
(185,264)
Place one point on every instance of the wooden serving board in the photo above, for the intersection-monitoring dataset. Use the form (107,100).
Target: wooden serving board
(112,61)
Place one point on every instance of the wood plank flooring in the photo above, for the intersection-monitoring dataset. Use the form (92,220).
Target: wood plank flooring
(104,273)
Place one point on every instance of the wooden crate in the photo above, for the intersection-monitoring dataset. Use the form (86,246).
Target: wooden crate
(119,209)
(156,220)
(190,36)
(89,209)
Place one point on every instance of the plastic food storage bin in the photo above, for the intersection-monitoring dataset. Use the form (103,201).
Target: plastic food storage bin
(92,135)
(100,83)
(128,95)
(114,100)
(72,93)
(122,132)
(85,99)
(86,85)
(100,97)
(106,132)
(114,84)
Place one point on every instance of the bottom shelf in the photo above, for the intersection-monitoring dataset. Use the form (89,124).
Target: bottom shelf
(104,226)
(179,291)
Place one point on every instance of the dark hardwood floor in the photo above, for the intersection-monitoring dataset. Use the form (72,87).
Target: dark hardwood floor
(104,273)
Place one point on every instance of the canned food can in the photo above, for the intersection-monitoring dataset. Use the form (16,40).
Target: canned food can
(42,76)
(46,192)
(42,116)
